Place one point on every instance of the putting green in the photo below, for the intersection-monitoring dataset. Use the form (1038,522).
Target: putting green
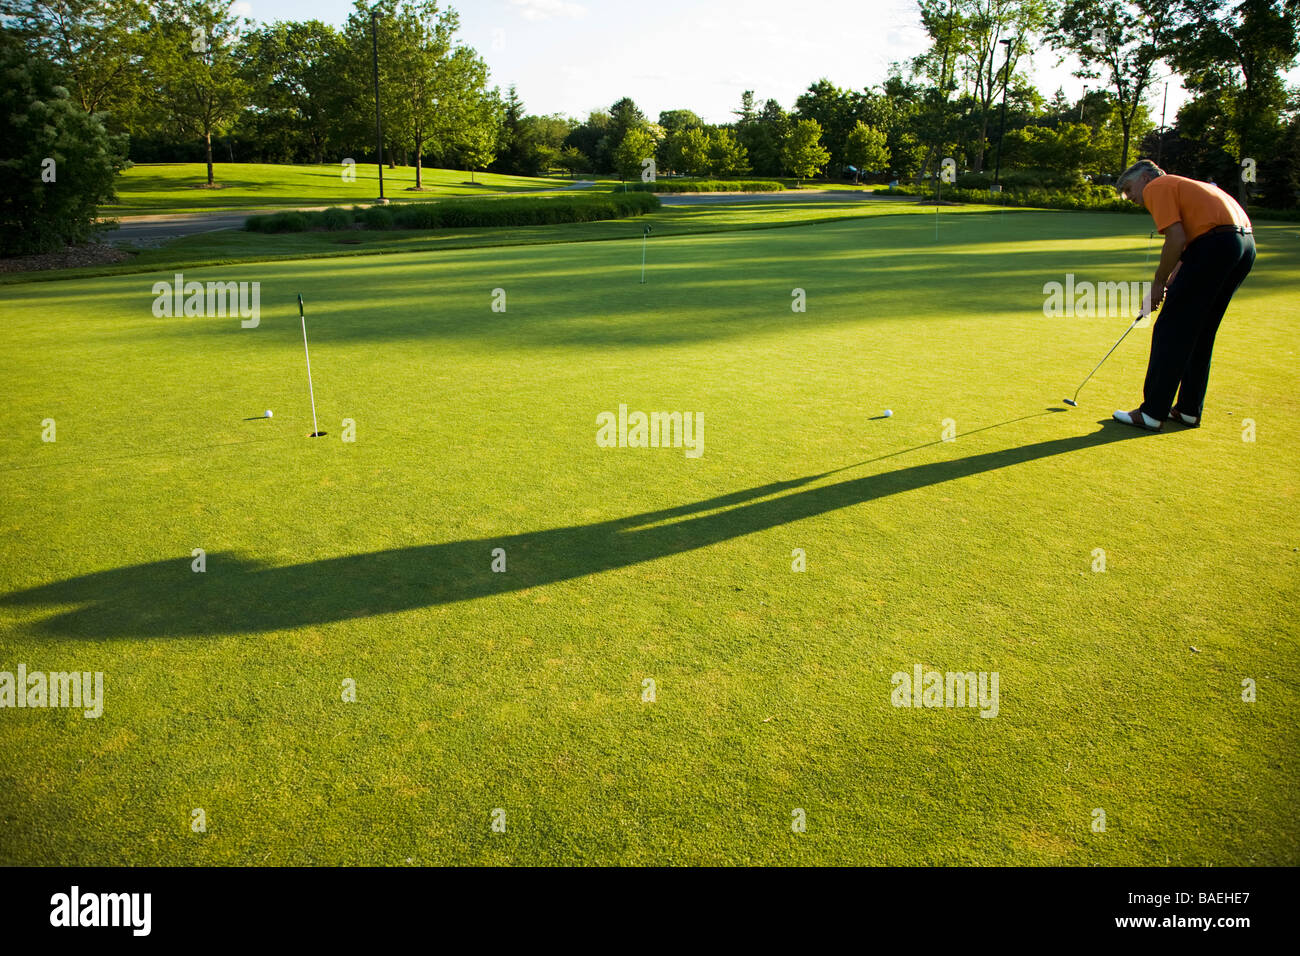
(521,695)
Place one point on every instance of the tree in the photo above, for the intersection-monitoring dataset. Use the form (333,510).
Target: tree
(573,160)
(726,157)
(832,109)
(687,151)
(96,47)
(592,138)
(442,87)
(57,162)
(1235,56)
(762,137)
(1121,40)
(1281,172)
(989,64)
(636,147)
(536,145)
(295,75)
(866,149)
(623,116)
(513,156)
(477,147)
(193,69)
(802,151)
(673,120)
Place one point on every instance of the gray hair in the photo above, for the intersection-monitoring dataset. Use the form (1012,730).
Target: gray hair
(1143,167)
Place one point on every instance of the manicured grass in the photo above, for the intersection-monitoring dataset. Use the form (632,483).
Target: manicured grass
(523,690)
(230,246)
(158,188)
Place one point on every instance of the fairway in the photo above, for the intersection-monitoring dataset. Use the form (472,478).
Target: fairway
(154,188)
(645,677)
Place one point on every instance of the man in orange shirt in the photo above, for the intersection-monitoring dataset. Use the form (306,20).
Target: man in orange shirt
(1210,242)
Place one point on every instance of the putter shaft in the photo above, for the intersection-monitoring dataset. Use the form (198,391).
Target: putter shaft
(1075,401)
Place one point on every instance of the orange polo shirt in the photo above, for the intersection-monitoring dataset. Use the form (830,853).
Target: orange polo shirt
(1198,206)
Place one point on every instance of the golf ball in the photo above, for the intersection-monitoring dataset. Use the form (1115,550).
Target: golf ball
(268,413)
(889,413)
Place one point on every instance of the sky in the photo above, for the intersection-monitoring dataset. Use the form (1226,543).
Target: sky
(574,56)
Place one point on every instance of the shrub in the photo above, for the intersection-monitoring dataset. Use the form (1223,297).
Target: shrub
(335,218)
(376,217)
(468,213)
(41,123)
(704,186)
(417,216)
(1092,198)
(284,222)
(1016,180)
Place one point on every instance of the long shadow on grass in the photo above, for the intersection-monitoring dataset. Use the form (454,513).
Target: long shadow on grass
(237,595)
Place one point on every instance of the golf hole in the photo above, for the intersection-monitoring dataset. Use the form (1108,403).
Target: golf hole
(316,435)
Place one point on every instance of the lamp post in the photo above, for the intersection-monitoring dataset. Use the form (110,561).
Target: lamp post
(379,129)
(1002,128)
(1160,142)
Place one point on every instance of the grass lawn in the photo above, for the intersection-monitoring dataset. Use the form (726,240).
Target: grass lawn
(158,188)
(236,245)
(522,691)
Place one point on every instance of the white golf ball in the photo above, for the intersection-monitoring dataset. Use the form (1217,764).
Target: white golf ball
(268,413)
(889,413)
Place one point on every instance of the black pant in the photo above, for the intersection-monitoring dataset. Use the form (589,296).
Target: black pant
(1213,266)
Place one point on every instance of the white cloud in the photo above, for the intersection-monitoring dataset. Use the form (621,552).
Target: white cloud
(546,9)
(241,8)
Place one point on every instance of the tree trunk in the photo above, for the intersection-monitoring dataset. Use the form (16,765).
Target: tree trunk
(208,139)
(419,183)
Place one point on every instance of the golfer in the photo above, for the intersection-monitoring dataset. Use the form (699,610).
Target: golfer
(1210,244)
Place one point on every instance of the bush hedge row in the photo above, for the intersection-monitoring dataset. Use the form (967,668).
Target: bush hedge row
(463,213)
(1018,180)
(705,186)
(1087,198)
(1093,198)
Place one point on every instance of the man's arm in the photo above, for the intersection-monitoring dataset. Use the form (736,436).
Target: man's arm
(1175,243)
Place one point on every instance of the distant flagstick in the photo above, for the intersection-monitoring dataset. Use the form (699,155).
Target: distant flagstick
(644,236)
(315,431)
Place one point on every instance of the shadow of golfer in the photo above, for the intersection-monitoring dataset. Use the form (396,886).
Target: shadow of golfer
(237,595)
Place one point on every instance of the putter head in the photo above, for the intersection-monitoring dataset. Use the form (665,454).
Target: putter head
(1071,402)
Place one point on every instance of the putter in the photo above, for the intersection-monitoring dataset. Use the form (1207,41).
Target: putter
(315,431)
(1074,402)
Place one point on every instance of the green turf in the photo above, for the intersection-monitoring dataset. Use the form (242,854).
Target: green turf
(236,245)
(157,188)
(522,691)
